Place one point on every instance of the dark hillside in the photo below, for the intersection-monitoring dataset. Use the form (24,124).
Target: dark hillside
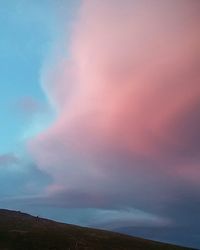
(25,232)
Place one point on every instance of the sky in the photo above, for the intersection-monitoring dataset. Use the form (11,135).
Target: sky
(100,114)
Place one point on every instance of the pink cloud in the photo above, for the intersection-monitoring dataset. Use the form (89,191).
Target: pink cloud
(130,87)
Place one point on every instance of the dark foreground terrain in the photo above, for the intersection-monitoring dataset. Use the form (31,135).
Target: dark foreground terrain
(23,231)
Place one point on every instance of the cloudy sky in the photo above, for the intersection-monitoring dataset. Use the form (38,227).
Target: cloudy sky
(100,114)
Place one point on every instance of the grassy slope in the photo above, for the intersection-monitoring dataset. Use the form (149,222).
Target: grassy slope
(23,231)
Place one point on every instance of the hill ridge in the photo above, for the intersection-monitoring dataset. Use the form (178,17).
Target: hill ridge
(22,231)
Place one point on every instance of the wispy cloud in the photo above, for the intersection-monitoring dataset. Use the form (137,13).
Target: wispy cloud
(8,159)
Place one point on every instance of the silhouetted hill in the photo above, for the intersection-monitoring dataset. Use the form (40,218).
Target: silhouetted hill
(25,232)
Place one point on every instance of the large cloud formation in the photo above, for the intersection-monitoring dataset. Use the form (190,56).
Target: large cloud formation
(128,108)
